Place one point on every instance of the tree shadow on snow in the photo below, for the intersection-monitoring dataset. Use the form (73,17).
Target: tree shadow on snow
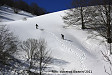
(58,62)
(25,14)
(2,17)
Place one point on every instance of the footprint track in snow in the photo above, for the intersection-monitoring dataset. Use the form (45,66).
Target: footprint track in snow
(71,50)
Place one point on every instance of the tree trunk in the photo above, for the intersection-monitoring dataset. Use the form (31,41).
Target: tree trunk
(82,20)
(41,62)
(108,25)
(41,66)
(30,66)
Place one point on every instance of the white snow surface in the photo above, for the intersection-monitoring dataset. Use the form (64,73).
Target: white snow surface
(76,52)
(7,14)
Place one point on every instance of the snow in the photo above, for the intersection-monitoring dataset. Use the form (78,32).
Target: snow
(76,52)
(7,14)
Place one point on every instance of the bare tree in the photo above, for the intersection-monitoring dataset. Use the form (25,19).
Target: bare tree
(107,58)
(76,16)
(31,47)
(43,56)
(102,20)
(8,45)
(38,56)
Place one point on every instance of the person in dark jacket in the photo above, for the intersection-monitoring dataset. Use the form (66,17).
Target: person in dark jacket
(36,26)
(62,36)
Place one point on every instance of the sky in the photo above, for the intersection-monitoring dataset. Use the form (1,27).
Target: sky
(52,5)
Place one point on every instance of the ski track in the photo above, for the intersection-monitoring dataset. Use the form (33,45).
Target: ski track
(71,49)
(82,47)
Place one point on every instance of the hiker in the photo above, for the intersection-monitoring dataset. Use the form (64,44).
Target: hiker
(62,36)
(36,26)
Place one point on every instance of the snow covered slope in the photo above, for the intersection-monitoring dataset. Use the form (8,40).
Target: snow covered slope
(7,14)
(76,52)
